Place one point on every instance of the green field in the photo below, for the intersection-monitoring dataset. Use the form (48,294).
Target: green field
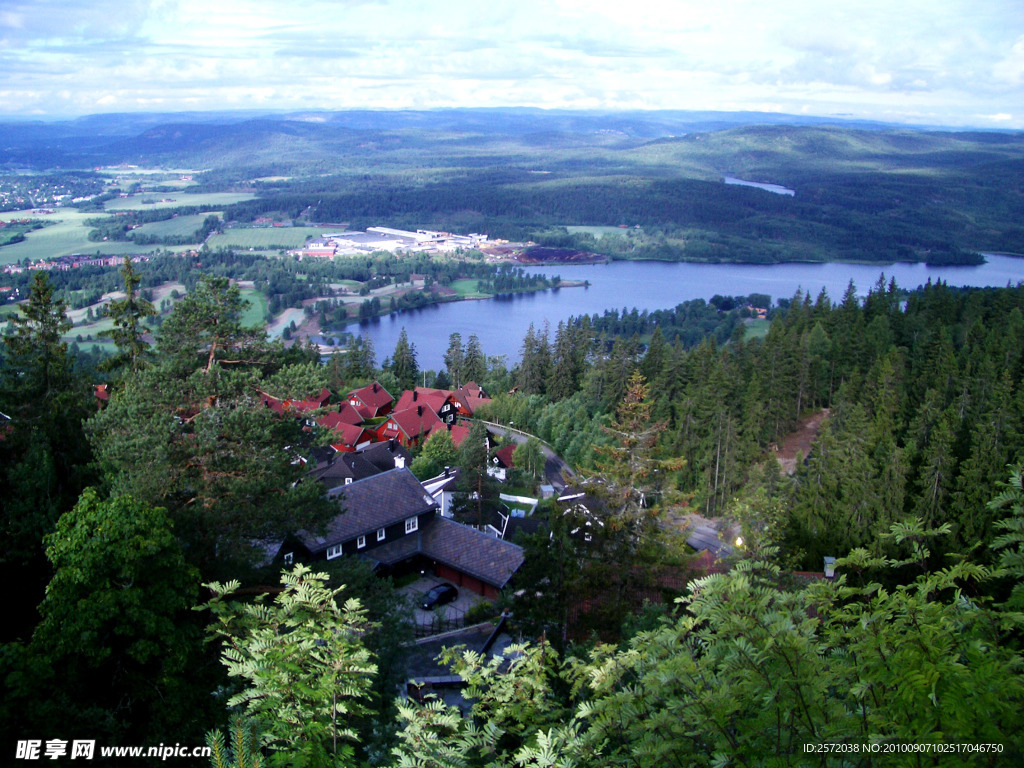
(264,238)
(182,226)
(151,200)
(599,232)
(256,313)
(468,289)
(755,329)
(65,235)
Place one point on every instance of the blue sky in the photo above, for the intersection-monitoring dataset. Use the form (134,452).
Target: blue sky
(945,62)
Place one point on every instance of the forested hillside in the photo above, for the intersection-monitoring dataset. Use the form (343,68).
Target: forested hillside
(857,192)
(114,517)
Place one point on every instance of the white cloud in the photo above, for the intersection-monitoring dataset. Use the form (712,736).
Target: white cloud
(955,59)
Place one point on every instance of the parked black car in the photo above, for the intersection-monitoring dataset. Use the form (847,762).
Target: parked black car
(439,595)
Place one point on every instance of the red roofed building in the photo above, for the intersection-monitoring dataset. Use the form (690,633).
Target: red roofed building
(440,401)
(469,397)
(311,404)
(350,436)
(458,434)
(102,393)
(371,401)
(410,426)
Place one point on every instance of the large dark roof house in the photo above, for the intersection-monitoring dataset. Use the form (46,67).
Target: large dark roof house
(391,520)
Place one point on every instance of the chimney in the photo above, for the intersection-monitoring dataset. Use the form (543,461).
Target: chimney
(415,395)
(375,386)
(399,462)
(419,410)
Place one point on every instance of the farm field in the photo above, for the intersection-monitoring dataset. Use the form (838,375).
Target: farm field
(598,232)
(182,226)
(66,234)
(151,200)
(264,238)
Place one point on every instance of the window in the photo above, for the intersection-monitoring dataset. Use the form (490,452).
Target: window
(360,542)
(411,524)
(333,552)
(289,558)
(380,534)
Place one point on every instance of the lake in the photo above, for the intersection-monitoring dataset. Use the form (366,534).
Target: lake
(501,323)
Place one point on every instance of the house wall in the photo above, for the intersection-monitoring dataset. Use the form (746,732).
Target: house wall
(391,533)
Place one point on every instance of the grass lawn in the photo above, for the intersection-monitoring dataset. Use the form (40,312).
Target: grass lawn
(66,234)
(183,226)
(256,313)
(264,238)
(150,200)
(599,232)
(468,289)
(756,329)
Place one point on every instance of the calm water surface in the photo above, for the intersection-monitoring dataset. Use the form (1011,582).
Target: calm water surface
(501,323)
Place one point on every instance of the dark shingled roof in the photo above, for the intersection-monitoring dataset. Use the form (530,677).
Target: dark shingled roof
(382,455)
(491,560)
(369,504)
(340,467)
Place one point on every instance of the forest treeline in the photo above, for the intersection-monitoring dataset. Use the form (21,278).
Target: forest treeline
(115,517)
(923,391)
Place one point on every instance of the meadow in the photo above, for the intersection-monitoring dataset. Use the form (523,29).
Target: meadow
(151,200)
(256,313)
(264,238)
(468,289)
(65,234)
(181,226)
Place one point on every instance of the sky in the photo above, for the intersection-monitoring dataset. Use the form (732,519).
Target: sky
(958,63)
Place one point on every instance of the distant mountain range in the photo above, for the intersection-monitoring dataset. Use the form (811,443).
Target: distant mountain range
(217,139)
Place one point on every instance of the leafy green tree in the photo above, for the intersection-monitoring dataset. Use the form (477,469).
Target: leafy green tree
(305,669)
(116,652)
(515,701)
(43,458)
(529,458)
(748,673)
(1011,542)
(128,315)
(437,453)
(241,749)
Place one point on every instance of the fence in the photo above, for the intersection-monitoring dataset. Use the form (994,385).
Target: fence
(444,619)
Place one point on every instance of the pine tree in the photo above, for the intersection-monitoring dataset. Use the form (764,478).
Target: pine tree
(403,362)
(128,315)
(474,364)
(454,360)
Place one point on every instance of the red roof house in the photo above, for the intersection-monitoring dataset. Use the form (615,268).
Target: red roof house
(371,401)
(410,426)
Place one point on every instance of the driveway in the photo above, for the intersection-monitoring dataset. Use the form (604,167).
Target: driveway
(451,614)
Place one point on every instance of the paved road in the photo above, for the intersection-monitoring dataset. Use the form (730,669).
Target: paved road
(556,471)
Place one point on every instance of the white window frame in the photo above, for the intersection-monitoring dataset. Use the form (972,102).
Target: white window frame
(333,552)
(380,534)
(412,524)
(289,558)
(361,542)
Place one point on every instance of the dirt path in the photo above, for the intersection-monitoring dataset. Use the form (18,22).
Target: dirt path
(799,441)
